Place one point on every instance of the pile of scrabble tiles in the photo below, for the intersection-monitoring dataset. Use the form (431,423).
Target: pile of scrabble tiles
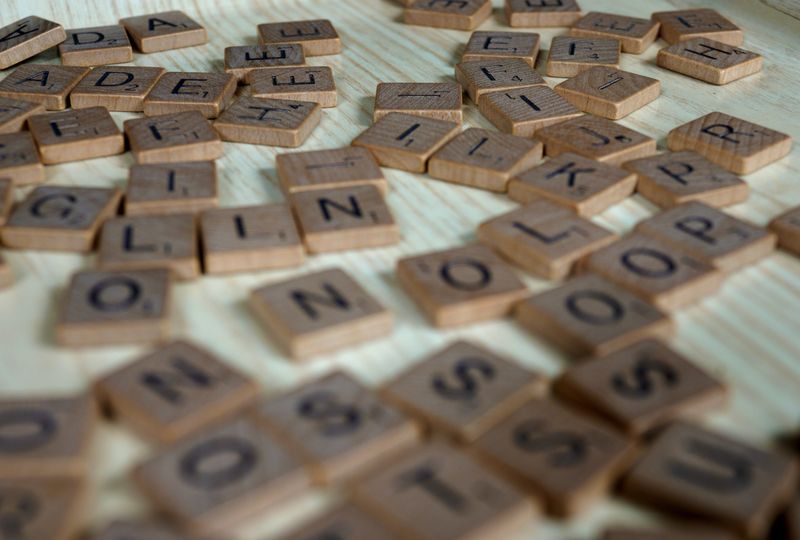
(465,444)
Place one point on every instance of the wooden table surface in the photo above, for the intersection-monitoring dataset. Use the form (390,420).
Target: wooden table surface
(748,333)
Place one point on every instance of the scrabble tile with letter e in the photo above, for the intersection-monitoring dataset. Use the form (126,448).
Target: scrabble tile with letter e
(40,83)
(49,508)
(324,169)
(14,113)
(170,138)
(522,111)
(19,159)
(348,518)
(302,83)
(271,122)
(241,60)
(96,46)
(321,312)
(635,35)
(317,37)
(787,227)
(497,45)
(569,55)
(175,391)
(480,77)
(710,61)
(178,188)
(608,92)
(542,13)
(683,25)
(440,101)
(76,135)
(209,93)
(26,38)
(460,286)
(117,88)
(164,31)
(455,14)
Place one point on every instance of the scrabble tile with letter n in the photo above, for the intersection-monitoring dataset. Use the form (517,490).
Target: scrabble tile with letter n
(542,13)
(14,113)
(455,14)
(635,35)
(209,93)
(177,188)
(185,136)
(19,159)
(317,37)
(271,122)
(500,45)
(683,25)
(323,169)
(440,101)
(710,61)
(609,92)
(76,135)
(97,46)
(117,88)
(26,38)
(49,508)
(164,31)
(48,85)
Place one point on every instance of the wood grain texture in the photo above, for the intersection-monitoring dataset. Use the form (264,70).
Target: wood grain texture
(753,316)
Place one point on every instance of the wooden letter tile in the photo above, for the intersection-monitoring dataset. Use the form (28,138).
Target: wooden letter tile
(209,93)
(455,14)
(110,308)
(568,475)
(735,144)
(6,199)
(337,427)
(586,186)
(787,227)
(498,45)
(460,286)
(26,38)
(62,218)
(641,387)
(591,316)
(117,88)
(683,25)
(682,533)
(523,111)
(175,391)
(674,178)
(179,188)
(6,274)
(464,389)
(19,159)
(542,13)
(438,493)
(96,46)
(137,530)
(406,141)
(171,138)
(321,312)
(484,159)
(711,235)
(250,238)
(480,77)
(569,55)
(635,35)
(14,113)
(317,37)
(48,85)
(544,238)
(324,169)
(271,122)
(164,31)
(347,522)
(76,135)
(709,475)
(160,241)
(39,508)
(710,61)
(608,92)
(211,481)
(45,436)
(302,83)
(441,101)
(241,60)
(596,138)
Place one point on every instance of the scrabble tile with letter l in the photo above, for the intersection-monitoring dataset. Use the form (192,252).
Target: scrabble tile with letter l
(317,37)
(326,169)
(542,13)
(570,55)
(635,35)
(164,31)
(440,101)
(19,159)
(96,46)
(174,92)
(76,135)
(523,111)
(14,113)
(241,60)
(710,61)
(479,77)
(683,25)
(608,92)
(455,14)
(117,88)
(787,227)
(171,138)
(301,83)
(177,188)
(40,83)
(498,45)
(271,122)
(321,312)
(589,315)
(49,508)
(358,524)
(460,286)
(26,38)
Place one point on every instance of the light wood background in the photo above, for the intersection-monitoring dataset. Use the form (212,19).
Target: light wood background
(748,334)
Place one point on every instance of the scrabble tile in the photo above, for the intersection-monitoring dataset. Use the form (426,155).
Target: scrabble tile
(460,286)
(667,276)
(325,169)
(463,390)
(406,141)
(570,55)
(480,77)
(164,31)
(26,38)
(110,308)
(522,111)
(96,46)
(793,518)
(583,185)
(241,60)
(271,122)
(172,138)
(608,92)
(137,530)
(544,238)
(497,45)
(683,25)
(316,313)
(174,92)
(484,159)
(440,101)
(49,508)
(588,315)
(211,481)
(45,437)
(787,227)
(710,61)
(533,13)
(177,188)
(641,387)
(45,84)
(566,459)
(175,391)
(6,274)
(117,88)
(317,37)
(711,235)
(682,533)
(596,138)
(740,146)
(76,135)
(438,493)
(691,469)
(346,522)
(61,218)
(301,83)
(455,14)
(340,219)
(635,35)
(14,113)
(674,178)
(250,238)
(159,241)
(6,198)
(19,159)
(338,427)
